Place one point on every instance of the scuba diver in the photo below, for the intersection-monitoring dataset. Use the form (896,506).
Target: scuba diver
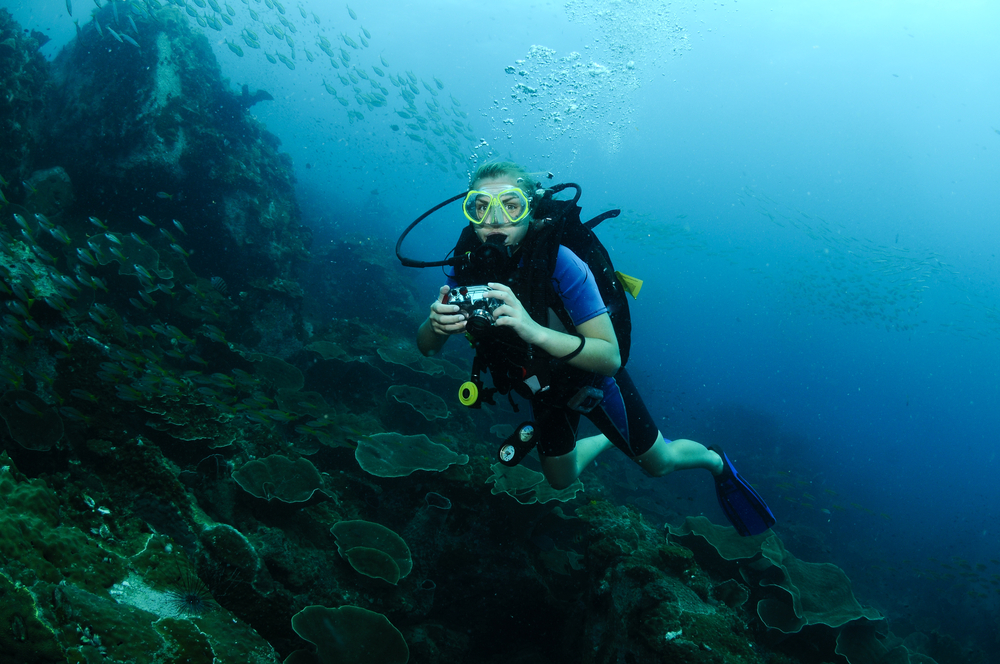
(551,324)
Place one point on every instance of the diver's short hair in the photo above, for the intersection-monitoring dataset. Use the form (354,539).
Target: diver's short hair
(495,169)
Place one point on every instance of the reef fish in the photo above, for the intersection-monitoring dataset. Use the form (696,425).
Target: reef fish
(69,7)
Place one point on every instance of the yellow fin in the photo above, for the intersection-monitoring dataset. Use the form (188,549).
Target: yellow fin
(631,285)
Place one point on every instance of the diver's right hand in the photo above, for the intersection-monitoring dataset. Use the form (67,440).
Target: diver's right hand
(446,319)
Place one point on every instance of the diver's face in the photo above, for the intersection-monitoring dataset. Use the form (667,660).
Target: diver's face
(495,223)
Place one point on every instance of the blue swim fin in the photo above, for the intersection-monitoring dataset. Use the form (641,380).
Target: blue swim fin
(744,508)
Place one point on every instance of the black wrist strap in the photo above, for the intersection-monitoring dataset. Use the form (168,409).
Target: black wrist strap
(579,349)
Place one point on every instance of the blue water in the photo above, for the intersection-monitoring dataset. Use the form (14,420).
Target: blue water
(810,195)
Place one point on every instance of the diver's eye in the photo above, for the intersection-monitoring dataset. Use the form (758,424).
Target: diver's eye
(482,205)
(513,205)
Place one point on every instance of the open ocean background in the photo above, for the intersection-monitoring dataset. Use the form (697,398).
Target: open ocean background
(810,194)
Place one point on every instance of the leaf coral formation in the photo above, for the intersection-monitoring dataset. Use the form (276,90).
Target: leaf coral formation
(428,404)
(395,455)
(791,595)
(277,477)
(373,550)
(527,487)
(350,634)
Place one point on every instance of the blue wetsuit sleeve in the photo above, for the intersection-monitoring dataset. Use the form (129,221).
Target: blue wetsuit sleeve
(575,284)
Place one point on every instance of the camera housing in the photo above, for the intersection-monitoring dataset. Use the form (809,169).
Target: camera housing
(472,301)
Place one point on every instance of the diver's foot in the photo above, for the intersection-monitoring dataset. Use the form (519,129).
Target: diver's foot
(718,465)
(744,508)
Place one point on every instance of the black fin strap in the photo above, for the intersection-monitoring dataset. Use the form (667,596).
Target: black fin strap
(579,349)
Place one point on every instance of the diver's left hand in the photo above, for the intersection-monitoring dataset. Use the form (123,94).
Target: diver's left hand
(513,314)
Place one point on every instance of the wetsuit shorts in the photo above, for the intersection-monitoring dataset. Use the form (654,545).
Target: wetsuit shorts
(621,416)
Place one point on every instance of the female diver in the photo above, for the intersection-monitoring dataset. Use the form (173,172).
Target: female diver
(499,207)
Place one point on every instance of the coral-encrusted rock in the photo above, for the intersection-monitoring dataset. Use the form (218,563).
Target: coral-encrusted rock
(49,191)
(23,75)
(155,130)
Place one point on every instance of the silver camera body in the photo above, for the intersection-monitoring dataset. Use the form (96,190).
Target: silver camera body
(478,309)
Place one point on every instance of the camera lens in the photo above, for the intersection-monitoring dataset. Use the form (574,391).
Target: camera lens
(480,321)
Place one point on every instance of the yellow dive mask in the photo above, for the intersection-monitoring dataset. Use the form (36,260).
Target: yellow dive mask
(509,206)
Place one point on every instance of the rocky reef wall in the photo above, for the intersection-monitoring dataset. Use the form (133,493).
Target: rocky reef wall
(24,76)
(146,125)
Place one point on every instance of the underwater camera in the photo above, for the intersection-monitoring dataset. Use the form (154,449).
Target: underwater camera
(478,308)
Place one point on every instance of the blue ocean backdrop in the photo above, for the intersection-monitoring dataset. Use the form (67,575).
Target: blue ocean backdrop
(809,192)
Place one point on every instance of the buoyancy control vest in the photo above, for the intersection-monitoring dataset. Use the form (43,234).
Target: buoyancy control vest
(529,274)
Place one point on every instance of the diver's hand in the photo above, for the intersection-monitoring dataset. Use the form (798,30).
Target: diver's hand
(513,314)
(445,319)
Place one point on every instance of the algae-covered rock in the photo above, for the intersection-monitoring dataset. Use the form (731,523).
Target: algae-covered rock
(23,79)
(32,423)
(275,372)
(49,191)
(71,596)
(156,131)
(648,601)
(24,637)
(34,536)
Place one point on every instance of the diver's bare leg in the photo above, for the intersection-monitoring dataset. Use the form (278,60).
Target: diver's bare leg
(680,454)
(561,471)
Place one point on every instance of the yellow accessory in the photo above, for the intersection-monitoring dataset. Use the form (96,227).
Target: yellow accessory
(631,285)
(468,393)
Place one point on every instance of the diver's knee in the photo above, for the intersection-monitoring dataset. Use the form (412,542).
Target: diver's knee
(658,460)
(560,483)
(657,470)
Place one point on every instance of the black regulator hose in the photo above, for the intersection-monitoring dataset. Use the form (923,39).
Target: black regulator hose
(409,262)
